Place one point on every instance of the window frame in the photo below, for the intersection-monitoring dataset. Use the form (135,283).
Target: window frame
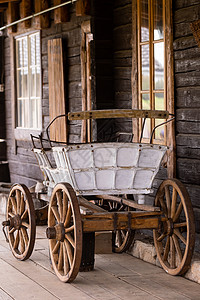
(23,133)
(169,83)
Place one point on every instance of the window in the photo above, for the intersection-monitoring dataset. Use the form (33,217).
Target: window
(28,68)
(151,58)
(153,70)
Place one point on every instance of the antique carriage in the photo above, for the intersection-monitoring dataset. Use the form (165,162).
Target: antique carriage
(90,188)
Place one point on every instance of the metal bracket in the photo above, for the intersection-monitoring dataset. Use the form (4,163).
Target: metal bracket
(115,218)
(129,221)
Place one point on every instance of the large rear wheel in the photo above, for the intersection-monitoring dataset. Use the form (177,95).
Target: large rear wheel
(175,238)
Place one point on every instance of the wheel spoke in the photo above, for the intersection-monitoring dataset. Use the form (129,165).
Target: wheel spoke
(22,242)
(180,236)
(168,201)
(16,243)
(14,204)
(24,215)
(161,237)
(18,197)
(12,230)
(172,253)
(60,205)
(177,246)
(25,235)
(65,206)
(163,205)
(25,224)
(68,216)
(182,224)
(22,205)
(166,251)
(66,261)
(69,252)
(56,247)
(174,200)
(178,212)
(10,214)
(69,229)
(70,239)
(56,213)
(60,259)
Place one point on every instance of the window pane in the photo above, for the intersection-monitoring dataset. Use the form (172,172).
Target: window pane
(145,67)
(32,49)
(159,101)
(38,92)
(160,131)
(147,129)
(145,101)
(158,20)
(37,50)
(144,10)
(25,83)
(159,66)
(19,85)
(19,54)
(25,52)
(33,82)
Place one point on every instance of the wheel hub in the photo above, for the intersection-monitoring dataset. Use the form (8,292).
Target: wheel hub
(56,232)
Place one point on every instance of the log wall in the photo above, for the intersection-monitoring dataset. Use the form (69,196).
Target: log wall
(187,99)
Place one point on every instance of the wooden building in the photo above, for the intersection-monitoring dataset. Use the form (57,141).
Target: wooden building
(101,54)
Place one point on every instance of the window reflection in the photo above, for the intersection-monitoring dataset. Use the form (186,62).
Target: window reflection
(28,81)
(145,67)
(158,19)
(159,66)
(144,16)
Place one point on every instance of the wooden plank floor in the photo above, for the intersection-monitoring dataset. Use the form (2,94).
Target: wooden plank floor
(116,276)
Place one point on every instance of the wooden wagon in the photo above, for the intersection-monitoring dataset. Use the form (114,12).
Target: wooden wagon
(91,188)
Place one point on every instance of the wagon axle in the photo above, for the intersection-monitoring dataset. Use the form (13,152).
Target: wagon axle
(57,232)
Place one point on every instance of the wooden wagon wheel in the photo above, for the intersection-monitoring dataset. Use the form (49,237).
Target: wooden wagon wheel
(65,232)
(175,238)
(20,222)
(122,239)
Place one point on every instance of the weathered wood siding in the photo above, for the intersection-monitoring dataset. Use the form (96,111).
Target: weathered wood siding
(22,163)
(122,60)
(187,99)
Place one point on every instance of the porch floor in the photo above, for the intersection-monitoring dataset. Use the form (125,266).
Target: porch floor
(116,276)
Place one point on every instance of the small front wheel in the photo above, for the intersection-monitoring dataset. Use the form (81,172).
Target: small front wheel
(174,239)
(20,219)
(65,232)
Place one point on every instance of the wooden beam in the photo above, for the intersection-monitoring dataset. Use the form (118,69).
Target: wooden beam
(12,15)
(25,11)
(61,14)
(118,113)
(41,21)
(8,1)
(121,220)
(83,7)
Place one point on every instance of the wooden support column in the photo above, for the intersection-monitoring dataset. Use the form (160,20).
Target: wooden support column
(41,21)
(25,11)
(12,15)
(83,7)
(57,105)
(171,139)
(61,14)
